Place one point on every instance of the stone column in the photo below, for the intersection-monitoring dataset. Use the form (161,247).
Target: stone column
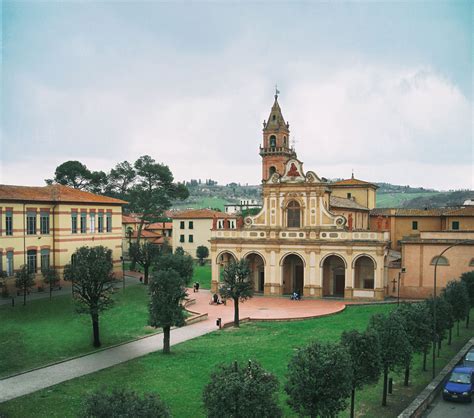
(273,285)
(215,269)
(349,276)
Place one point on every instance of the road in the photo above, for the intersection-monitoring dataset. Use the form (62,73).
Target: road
(445,409)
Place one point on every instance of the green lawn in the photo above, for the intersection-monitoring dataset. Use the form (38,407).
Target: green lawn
(202,274)
(205,202)
(395,200)
(180,377)
(46,331)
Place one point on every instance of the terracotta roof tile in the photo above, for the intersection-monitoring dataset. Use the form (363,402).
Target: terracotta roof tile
(464,211)
(341,202)
(126,219)
(53,193)
(200,214)
(159,225)
(353,182)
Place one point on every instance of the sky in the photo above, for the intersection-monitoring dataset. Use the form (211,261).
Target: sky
(383,89)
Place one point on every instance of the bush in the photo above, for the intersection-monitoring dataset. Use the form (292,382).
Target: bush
(124,404)
(242,392)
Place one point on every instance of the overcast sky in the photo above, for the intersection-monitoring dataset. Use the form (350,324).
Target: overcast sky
(381,88)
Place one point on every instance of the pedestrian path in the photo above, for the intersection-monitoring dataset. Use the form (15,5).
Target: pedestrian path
(30,382)
(257,308)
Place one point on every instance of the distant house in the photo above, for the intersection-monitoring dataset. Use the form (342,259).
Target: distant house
(156,233)
(244,204)
(192,228)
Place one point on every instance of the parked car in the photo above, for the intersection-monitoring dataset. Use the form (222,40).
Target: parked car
(460,385)
(469,358)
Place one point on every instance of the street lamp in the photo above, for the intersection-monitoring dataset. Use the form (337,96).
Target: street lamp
(466,241)
(123,271)
(403,270)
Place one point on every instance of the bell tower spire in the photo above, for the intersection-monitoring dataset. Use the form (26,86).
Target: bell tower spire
(276,149)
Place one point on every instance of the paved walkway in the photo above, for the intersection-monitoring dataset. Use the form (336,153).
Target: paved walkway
(263,308)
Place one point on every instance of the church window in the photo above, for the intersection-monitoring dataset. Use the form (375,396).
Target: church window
(349,195)
(442,261)
(273,141)
(284,141)
(455,225)
(293,214)
(274,117)
(414,225)
(271,171)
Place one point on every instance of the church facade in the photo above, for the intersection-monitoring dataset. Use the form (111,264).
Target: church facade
(311,236)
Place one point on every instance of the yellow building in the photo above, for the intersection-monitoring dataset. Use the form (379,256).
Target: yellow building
(311,236)
(43,226)
(192,228)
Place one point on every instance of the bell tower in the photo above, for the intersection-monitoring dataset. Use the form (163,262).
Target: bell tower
(276,149)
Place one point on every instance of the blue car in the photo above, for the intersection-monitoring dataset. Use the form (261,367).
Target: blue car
(460,385)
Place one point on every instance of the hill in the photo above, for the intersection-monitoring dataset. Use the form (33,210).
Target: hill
(209,194)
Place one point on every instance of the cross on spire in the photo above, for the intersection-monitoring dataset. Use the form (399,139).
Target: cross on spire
(277,92)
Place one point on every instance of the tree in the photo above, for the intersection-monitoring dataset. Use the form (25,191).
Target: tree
(242,392)
(25,280)
(51,278)
(97,182)
(457,295)
(183,264)
(179,251)
(444,318)
(418,324)
(468,279)
(144,254)
(120,179)
(153,191)
(125,404)
(167,292)
(237,285)
(71,173)
(202,252)
(394,343)
(319,380)
(92,282)
(364,351)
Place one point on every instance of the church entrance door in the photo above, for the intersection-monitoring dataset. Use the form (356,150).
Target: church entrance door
(334,276)
(293,274)
(257,271)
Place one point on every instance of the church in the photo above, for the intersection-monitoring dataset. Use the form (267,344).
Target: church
(311,236)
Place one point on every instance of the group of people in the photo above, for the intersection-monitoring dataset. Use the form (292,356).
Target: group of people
(295,296)
(216,301)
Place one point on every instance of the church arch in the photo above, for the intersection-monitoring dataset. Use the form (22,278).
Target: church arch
(364,272)
(363,255)
(293,273)
(257,269)
(273,141)
(321,264)
(334,275)
(225,256)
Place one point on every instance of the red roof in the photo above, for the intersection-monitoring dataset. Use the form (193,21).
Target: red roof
(160,225)
(201,214)
(53,194)
(126,219)
(354,183)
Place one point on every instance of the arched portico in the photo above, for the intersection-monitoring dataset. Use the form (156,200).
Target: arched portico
(218,264)
(257,270)
(334,275)
(292,272)
(364,272)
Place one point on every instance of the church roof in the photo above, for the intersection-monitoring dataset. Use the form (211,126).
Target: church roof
(275,121)
(341,202)
(352,182)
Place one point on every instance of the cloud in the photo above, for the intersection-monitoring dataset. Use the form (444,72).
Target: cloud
(200,110)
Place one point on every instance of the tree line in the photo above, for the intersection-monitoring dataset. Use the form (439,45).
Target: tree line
(322,378)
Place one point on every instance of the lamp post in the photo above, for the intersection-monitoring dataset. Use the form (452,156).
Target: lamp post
(403,270)
(466,241)
(123,271)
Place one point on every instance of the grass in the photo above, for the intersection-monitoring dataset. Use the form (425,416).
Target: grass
(189,366)
(202,274)
(205,202)
(395,200)
(47,331)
